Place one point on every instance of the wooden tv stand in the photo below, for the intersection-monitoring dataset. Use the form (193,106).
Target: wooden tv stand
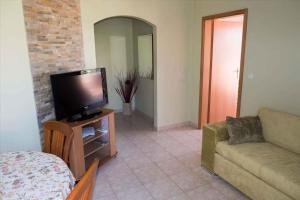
(85,150)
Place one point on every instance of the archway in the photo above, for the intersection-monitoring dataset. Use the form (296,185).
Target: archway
(118,44)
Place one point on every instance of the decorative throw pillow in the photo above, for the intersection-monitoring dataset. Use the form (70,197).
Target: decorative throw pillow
(244,129)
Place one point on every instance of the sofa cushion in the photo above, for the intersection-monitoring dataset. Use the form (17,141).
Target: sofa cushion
(244,129)
(276,166)
(281,128)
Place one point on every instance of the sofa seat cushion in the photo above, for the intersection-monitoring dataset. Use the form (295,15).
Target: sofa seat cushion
(276,166)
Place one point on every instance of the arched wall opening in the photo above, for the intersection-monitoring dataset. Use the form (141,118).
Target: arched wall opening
(119,47)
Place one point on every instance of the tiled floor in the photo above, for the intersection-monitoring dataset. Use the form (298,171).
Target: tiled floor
(158,166)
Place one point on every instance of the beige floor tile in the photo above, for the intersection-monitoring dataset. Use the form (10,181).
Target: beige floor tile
(179,150)
(149,174)
(150,147)
(124,182)
(129,151)
(159,156)
(139,193)
(206,192)
(158,165)
(168,142)
(135,162)
(183,137)
(107,197)
(179,196)
(116,169)
(228,190)
(171,167)
(188,180)
(163,189)
(102,189)
(159,136)
(205,174)
(191,159)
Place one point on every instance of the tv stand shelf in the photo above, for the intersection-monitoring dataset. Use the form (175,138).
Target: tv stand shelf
(92,147)
(85,150)
(89,139)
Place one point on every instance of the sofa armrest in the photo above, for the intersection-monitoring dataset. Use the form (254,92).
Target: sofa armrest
(211,135)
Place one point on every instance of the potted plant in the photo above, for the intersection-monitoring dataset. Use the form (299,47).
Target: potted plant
(126,89)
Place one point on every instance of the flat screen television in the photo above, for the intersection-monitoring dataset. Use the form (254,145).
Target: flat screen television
(80,94)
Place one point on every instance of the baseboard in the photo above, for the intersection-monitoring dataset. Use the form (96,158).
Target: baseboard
(194,125)
(174,126)
(166,127)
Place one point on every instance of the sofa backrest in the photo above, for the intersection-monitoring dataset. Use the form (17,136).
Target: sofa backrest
(280,128)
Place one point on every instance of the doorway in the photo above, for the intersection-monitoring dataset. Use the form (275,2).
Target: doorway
(222,63)
(126,44)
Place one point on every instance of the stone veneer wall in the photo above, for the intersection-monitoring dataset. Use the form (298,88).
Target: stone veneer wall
(55,45)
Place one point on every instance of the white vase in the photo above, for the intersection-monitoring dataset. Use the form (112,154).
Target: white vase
(127,109)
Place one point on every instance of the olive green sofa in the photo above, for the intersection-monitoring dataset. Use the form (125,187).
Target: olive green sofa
(269,170)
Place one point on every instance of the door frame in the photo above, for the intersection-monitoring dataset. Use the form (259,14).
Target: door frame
(240,86)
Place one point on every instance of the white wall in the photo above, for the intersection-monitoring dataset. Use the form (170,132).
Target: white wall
(272,54)
(144,99)
(18,120)
(114,51)
(171,18)
(139,28)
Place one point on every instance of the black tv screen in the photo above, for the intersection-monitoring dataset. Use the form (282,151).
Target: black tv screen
(77,93)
